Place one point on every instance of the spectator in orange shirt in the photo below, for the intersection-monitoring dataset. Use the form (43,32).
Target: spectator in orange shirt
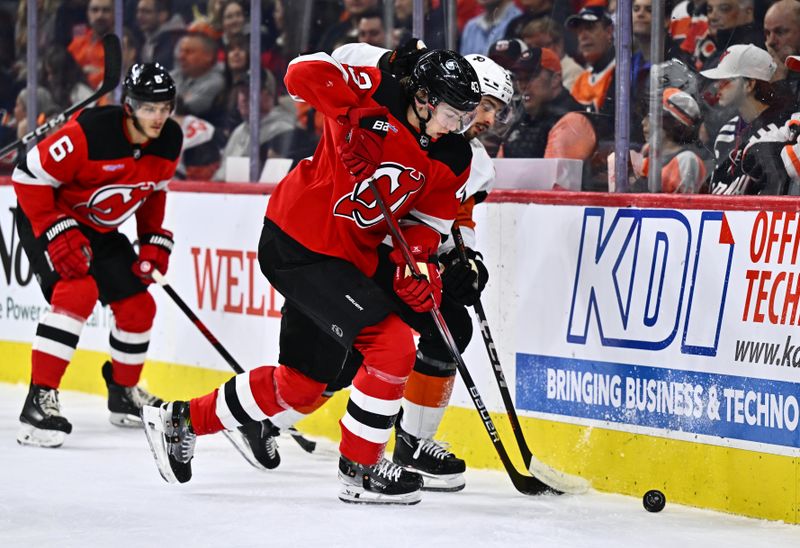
(595,32)
(682,169)
(88,49)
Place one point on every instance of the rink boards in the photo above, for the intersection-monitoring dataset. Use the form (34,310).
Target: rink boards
(649,341)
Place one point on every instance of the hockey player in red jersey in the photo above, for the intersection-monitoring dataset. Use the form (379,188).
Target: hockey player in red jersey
(319,248)
(75,188)
(430,384)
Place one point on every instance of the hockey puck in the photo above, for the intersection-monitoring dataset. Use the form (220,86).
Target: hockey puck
(654,500)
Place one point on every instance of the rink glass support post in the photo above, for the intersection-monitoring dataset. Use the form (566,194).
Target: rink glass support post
(254,112)
(31,57)
(622,122)
(656,92)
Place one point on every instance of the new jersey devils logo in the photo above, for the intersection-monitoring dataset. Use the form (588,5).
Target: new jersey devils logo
(395,182)
(112,205)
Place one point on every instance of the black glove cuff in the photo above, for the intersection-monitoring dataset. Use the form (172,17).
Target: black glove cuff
(159,240)
(376,124)
(60,227)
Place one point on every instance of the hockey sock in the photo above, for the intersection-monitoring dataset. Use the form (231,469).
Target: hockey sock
(388,350)
(277,393)
(426,396)
(59,330)
(130,336)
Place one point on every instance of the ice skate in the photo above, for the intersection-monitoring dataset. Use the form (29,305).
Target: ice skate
(125,402)
(440,469)
(171,439)
(382,483)
(257,443)
(42,422)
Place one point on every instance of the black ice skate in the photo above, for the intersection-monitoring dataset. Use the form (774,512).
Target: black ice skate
(257,443)
(441,469)
(126,402)
(171,439)
(42,422)
(382,483)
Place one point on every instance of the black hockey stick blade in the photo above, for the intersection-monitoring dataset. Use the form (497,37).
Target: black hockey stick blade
(112,50)
(309,446)
(562,481)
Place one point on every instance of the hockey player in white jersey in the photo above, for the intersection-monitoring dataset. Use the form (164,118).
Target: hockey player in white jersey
(429,387)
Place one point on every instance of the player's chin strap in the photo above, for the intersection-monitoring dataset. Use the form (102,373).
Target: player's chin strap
(423,137)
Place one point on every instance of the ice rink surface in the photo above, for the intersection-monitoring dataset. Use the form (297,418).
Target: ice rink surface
(102,489)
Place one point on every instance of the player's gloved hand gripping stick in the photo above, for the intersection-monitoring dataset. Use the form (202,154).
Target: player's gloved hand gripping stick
(529,485)
(307,445)
(564,482)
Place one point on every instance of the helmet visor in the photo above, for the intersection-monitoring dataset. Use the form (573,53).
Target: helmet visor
(452,119)
(502,113)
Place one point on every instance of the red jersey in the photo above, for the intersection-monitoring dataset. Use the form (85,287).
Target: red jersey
(90,171)
(320,205)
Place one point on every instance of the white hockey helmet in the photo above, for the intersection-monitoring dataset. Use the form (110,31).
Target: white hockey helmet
(494,79)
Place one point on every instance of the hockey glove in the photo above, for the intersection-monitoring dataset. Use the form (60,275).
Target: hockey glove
(362,150)
(401,61)
(464,282)
(418,292)
(69,250)
(154,250)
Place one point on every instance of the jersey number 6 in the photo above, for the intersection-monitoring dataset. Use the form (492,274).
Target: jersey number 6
(61,148)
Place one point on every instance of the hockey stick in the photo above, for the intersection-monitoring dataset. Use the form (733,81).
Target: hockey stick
(563,481)
(528,485)
(308,445)
(112,66)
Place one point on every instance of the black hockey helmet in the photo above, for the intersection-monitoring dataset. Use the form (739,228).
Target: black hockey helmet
(148,82)
(447,77)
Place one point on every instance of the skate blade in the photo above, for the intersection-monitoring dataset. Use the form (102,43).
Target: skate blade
(37,437)
(355,494)
(239,442)
(154,430)
(444,483)
(125,420)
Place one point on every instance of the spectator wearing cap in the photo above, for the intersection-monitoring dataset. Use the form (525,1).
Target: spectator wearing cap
(743,82)
(594,87)
(546,32)
(275,121)
(544,100)
(772,157)
(199,81)
(682,168)
(482,31)
(160,31)
(730,22)
(782,37)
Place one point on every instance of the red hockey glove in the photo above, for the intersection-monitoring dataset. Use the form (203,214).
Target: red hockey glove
(69,250)
(463,282)
(154,250)
(418,292)
(362,150)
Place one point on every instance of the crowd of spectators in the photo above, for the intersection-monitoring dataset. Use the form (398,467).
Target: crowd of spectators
(724,82)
